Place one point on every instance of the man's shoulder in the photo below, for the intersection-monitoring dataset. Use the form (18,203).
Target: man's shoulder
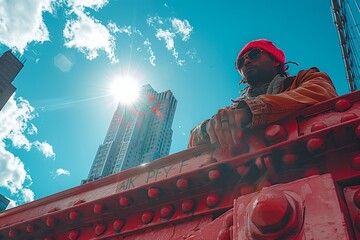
(306,71)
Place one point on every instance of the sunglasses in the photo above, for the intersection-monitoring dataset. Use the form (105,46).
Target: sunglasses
(253,55)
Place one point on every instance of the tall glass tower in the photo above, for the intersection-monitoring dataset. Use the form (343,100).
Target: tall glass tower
(138,133)
(10,66)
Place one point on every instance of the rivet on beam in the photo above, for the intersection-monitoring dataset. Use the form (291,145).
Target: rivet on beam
(318,126)
(342,105)
(98,208)
(124,201)
(30,228)
(100,228)
(182,184)
(348,116)
(275,133)
(289,158)
(356,198)
(147,217)
(214,174)
(212,200)
(50,222)
(167,211)
(118,225)
(153,193)
(74,234)
(188,205)
(355,161)
(73,215)
(315,145)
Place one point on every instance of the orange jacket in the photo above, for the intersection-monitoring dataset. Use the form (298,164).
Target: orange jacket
(308,87)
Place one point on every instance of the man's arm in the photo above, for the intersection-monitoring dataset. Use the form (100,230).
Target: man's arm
(309,87)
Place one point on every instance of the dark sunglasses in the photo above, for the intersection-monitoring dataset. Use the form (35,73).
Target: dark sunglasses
(253,55)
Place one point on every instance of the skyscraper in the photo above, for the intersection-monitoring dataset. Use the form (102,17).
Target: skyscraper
(4,202)
(10,66)
(138,133)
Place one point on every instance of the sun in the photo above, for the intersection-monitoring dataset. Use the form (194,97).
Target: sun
(125,89)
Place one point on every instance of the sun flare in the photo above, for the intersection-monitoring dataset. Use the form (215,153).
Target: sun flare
(125,89)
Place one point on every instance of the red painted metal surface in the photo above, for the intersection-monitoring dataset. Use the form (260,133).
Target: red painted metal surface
(298,178)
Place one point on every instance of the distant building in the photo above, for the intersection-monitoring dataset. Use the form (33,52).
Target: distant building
(10,66)
(4,202)
(138,133)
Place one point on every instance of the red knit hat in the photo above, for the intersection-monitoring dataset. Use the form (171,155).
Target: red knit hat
(267,46)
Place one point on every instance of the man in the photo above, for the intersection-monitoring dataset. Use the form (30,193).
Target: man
(271,94)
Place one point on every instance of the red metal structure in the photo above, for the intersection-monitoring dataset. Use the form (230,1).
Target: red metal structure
(296,179)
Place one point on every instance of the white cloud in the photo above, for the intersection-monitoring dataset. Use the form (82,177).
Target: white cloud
(168,29)
(93,4)
(32,129)
(45,148)
(15,120)
(28,195)
(21,22)
(182,27)
(89,36)
(129,30)
(61,171)
(152,57)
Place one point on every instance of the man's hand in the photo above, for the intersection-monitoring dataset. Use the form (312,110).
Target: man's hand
(226,125)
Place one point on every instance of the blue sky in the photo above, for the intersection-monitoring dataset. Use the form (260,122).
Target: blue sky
(74,49)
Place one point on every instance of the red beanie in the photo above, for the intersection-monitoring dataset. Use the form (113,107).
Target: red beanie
(267,46)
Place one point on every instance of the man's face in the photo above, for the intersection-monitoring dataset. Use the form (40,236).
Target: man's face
(258,67)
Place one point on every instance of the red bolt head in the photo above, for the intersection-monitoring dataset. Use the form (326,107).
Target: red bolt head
(73,215)
(269,209)
(182,184)
(98,208)
(318,126)
(275,133)
(241,170)
(212,200)
(53,210)
(124,201)
(188,205)
(100,228)
(348,117)
(315,145)
(214,174)
(73,234)
(355,162)
(224,234)
(289,158)
(342,105)
(50,222)
(118,225)
(357,198)
(166,211)
(147,217)
(357,131)
(80,201)
(13,233)
(153,192)
(246,189)
(30,228)
(312,171)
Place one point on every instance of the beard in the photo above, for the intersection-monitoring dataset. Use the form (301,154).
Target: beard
(256,76)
